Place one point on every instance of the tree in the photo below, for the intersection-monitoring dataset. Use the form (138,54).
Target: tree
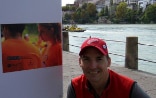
(111,2)
(102,12)
(31,29)
(149,15)
(130,16)
(77,15)
(106,11)
(91,10)
(139,14)
(67,18)
(121,11)
(64,8)
(68,8)
(85,14)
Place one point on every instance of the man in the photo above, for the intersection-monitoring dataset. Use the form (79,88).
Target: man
(51,34)
(17,53)
(98,81)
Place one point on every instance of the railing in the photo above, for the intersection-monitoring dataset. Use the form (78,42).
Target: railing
(131,52)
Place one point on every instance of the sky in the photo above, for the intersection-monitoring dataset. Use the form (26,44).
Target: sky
(64,2)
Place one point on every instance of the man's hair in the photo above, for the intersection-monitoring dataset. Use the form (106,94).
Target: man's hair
(14,28)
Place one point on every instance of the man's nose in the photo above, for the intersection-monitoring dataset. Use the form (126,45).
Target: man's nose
(93,64)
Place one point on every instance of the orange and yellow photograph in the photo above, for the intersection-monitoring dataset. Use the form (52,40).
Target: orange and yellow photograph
(30,46)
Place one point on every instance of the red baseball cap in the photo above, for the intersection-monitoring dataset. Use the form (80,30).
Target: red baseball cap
(94,42)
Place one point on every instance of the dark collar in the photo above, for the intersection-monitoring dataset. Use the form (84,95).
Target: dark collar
(91,89)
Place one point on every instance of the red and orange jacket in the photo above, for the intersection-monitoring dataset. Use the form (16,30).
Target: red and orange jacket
(52,55)
(118,87)
(19,55)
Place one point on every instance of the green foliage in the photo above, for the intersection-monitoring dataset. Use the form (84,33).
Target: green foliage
(87,13)
(84,6)
(111,2)
(130,16)
(68,8)
(83,14)
(64,8)
(33,38)
(67,17)
(104,12)
(139,14)
(121,10)
(149,15)
(30,29)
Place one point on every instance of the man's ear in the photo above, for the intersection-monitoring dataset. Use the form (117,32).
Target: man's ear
(80,63)
(109,62)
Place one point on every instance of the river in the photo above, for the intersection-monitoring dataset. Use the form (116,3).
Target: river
(146,34)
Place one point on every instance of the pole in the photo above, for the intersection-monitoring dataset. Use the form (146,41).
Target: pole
(65,41)
(131,58)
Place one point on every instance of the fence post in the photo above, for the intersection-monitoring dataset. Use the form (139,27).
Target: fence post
(65,41)
(131,58)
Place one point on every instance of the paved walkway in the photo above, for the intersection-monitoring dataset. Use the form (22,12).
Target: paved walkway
(71,69)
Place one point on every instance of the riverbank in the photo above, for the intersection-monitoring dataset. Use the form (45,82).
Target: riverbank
(71,69)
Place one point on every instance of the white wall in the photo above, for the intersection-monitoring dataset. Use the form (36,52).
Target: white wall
(35,83)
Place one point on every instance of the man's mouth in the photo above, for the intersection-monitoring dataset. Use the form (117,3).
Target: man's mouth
(93,72)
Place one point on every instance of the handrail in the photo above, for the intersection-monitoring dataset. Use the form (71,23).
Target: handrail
(120,42)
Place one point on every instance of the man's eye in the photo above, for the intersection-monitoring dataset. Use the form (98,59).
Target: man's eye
(85,59)
(99,58)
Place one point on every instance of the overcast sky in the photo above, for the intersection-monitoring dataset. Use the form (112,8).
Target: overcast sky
(64,2)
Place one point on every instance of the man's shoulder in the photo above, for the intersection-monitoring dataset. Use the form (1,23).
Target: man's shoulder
(79,79)
(116,75)
(138,92)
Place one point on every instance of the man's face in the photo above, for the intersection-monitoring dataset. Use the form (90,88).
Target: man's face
(44,33)
(94,64)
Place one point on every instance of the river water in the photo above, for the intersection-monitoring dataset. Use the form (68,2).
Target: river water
(146,35)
